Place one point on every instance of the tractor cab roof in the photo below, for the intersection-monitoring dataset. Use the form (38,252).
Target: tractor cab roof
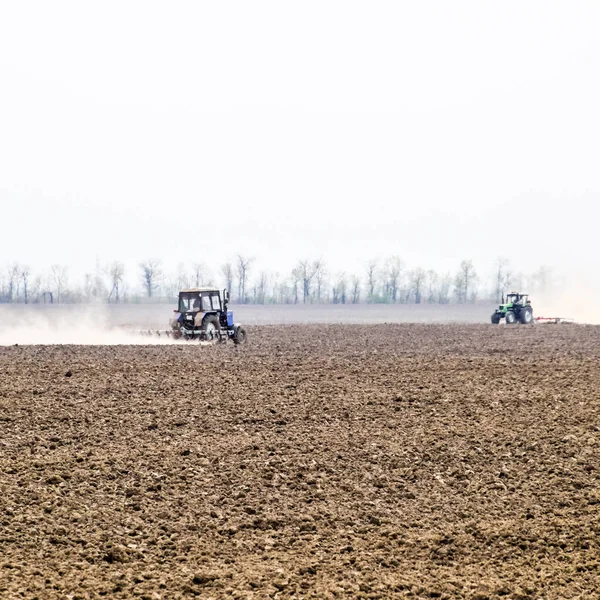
(199,290)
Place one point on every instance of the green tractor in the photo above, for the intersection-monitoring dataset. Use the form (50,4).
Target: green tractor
(515,309)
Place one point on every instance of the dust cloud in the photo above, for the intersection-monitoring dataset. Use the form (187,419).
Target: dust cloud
(89,326)
(575,298)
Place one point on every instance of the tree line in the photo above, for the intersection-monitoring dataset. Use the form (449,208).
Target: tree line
(388,281)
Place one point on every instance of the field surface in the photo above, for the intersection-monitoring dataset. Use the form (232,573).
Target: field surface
(423,461)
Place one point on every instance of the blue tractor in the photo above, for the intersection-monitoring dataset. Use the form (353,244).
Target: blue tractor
(202,315)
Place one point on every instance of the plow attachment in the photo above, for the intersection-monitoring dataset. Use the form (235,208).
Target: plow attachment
(554,320)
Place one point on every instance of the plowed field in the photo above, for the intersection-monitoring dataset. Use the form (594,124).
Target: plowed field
(418,461)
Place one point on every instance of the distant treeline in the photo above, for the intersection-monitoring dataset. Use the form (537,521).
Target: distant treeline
(387,281)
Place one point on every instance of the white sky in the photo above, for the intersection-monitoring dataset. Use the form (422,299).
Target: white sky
(190,131)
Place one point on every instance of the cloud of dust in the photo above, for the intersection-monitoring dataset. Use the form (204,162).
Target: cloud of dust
(576,297)
(84,326)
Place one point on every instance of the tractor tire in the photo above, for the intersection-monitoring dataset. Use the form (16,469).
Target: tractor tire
(526,316)
(239,337)
(495,319)
(211,327)
(511,318)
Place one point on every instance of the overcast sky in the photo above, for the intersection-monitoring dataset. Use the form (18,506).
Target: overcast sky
(192,131)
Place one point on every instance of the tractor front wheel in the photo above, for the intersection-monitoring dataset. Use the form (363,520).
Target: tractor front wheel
(511,318)
(239,337)
(495,319)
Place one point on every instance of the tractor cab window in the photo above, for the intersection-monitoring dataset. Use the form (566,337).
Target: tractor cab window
(206,305)
(189,302)
(216,301)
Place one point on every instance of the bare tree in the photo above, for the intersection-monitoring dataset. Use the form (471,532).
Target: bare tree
(59,279)
(284,293)
(243,268)
(502,278)
(465,281)
(227,271)
(296,279)
(170,286)
(444,288)
(433,281)
(355,290)
(261,288)
(183,279)
(33,289)
(307,271)
(275,286)
(24,275)
(200,276)
(305,274)
(417,282)
(151,274)
(393,270)
(371,279)
(115,272)
(320,275)
(339,289)
(13,282)
(94,286)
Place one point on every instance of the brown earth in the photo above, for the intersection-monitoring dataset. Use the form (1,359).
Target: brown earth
(366,462)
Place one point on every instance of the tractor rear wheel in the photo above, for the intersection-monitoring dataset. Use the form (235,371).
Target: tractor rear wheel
(495,319)
(211,327)
(526,316)
(239,337)
(511,318)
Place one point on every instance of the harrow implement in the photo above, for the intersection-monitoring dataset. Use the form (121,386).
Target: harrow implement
(154,332)
(178,336)
(554,320)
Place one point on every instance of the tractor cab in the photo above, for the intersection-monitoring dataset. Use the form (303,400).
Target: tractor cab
(514,298)
(200,299)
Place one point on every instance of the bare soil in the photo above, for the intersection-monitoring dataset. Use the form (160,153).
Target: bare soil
(424,461)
